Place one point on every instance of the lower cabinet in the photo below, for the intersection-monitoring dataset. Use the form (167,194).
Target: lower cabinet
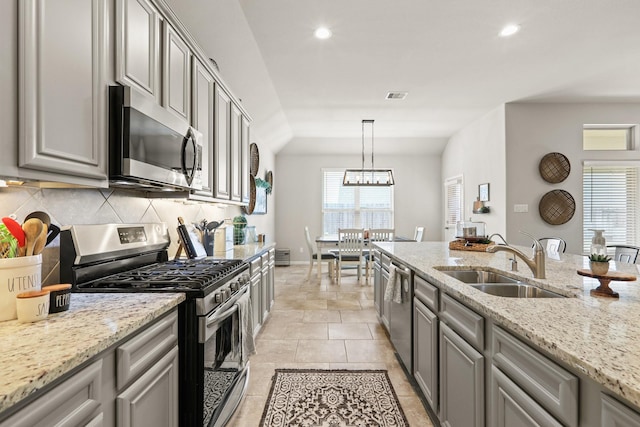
(255,292)
(262,290)
(461,381)
(425,352)
(615,414)
(265,305)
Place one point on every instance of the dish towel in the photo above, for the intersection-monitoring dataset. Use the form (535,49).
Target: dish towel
(247,344)
(394,287)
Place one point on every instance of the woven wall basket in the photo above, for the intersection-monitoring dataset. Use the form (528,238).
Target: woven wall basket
(255,159)
(557,207)
(554,167)
(252,196)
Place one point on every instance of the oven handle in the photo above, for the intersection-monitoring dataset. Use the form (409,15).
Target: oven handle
(208,325)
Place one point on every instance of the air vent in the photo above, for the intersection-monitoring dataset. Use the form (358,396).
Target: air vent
(396,95)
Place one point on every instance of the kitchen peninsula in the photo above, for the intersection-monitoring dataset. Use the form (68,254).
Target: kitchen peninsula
(595,341)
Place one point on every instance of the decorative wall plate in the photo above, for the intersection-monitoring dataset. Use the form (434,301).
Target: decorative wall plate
(252,196)
(554,167)
(557,207)
(255,158)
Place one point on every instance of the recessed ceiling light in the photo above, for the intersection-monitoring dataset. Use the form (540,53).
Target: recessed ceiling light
(322,33)
(509,30)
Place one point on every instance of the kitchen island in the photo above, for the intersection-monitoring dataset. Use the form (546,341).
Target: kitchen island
(36,355)
(596,338)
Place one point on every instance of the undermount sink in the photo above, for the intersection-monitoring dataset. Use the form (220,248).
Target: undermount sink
(499,285)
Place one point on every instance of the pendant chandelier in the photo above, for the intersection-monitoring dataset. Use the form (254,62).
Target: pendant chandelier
(368,177)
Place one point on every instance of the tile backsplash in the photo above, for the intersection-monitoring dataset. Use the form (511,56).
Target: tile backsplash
(70,206)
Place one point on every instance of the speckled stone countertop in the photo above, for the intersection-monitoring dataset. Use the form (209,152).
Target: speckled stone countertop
(597,336)
(34,354)
(245,252)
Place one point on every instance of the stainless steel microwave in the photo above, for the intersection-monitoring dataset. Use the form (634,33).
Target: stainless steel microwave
(151,148)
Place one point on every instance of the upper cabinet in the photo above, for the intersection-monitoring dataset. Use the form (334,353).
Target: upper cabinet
(176,81)
(203,114)
(244,160)
(222,143)
(138,46)
(236,158)
(62,91)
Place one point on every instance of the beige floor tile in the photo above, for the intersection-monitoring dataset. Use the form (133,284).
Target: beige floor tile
(378,332)
(359,316)
(271,350)
(308,331)
(349,331)
(369,351)
(343,305)
(300,305)
(320,351)
(322,316)
(414,411)
(328,295)
(249,413)
(309,365)
(360,366)
(366,304)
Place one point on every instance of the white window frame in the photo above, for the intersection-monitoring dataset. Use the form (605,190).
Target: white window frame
(632,135)
(357,209)
(451,211)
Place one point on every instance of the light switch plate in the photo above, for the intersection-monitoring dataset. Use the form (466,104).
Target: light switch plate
(521,208)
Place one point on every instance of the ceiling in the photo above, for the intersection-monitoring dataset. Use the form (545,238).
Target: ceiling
(445,53)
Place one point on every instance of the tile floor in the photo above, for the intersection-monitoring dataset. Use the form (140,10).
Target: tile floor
(321,325)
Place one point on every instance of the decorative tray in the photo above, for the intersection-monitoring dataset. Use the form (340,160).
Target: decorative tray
(465,245)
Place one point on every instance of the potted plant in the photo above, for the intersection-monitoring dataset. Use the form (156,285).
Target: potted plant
(599,264)
(239,224)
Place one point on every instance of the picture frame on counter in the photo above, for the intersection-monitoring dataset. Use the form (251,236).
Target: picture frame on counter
(483,192)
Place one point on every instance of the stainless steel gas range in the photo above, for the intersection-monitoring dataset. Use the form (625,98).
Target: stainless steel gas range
(214,370)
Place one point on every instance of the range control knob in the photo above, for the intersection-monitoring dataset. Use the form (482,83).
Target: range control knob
(235,286)
(218,297)
(226,294)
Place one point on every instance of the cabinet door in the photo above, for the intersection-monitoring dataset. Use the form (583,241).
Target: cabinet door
(377,287)
(425,352)
(256,301)
(202,119)
(176,78)
(266,278)
(384,305)
(222,143)
(244,149)
(272,277)
(236,158)
(461,381)
(63,109)
(512,407)
(138,46)
(615,414)
(74,402)
(152,400)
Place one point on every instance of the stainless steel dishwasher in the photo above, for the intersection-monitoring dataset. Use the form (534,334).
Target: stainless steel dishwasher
(400,317)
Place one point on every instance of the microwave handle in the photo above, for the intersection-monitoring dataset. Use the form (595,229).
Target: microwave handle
(191,172)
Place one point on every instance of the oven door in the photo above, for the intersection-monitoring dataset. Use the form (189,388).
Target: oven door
(226,371)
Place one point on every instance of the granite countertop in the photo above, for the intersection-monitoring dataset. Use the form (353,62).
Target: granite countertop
(34,354)
(597,336)
(245,252)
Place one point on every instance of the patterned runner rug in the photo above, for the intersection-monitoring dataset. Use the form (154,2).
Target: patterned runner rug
(309,398)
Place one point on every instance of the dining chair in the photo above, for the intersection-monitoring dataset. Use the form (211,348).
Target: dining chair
(313,257)
(625,253)
(350,250)
(377,235)
(417,235)
(553,244)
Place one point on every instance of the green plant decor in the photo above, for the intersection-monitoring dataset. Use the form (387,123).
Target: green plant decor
(261,183)
(8,243)
(239,224)
(599,258)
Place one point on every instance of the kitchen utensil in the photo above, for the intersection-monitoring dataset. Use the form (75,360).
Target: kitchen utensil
(41,240)
(53,232)
(189,239)
(14,228)
(32,229)
(209,233)
(42,216)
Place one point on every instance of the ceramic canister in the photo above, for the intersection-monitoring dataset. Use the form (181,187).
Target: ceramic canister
(17,275)
(32,306)
(59,297)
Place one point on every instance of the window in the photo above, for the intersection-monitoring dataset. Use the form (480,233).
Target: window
(608,137)
(610,203)
(453,201)
(354,207)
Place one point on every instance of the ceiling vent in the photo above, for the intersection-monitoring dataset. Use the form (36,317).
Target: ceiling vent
(396,95)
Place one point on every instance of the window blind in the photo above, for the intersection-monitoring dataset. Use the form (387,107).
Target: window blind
(610,204)
(354,207)
(453,202)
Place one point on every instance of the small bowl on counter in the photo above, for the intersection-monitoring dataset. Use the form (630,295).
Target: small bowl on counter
(32,306)
(59,297)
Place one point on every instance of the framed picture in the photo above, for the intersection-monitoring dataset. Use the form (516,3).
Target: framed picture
(261,201)
(483,192)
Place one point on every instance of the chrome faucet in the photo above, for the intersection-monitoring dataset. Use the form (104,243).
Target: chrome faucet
(536,263)
(500,236)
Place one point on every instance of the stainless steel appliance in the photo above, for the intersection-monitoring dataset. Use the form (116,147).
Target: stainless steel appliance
(150,147)
(400,317)
(214,371)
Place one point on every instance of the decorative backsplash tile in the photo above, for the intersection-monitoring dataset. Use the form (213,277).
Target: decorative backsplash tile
(71,206)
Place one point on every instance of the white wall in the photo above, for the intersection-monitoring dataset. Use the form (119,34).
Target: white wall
(533,130)
(299,184)
(478,153)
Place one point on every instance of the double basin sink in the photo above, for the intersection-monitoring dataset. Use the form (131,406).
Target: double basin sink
(497,284)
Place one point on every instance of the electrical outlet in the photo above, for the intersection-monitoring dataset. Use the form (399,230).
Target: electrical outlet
(521,208)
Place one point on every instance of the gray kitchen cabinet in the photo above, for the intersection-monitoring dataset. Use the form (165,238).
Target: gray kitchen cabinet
(152,400)
(244,159)
(512,407)
(461,381)
(62,70)
(385,306)
(615,414)
(271,279)
(255,292)
(425,351)
(377,283)
(176,77)
(236,153)
(75,402)
(202,114)
(138,46)
(266,279)
(222,144)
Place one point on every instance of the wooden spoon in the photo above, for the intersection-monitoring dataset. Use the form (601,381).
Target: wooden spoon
(41,240)
(32,229)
